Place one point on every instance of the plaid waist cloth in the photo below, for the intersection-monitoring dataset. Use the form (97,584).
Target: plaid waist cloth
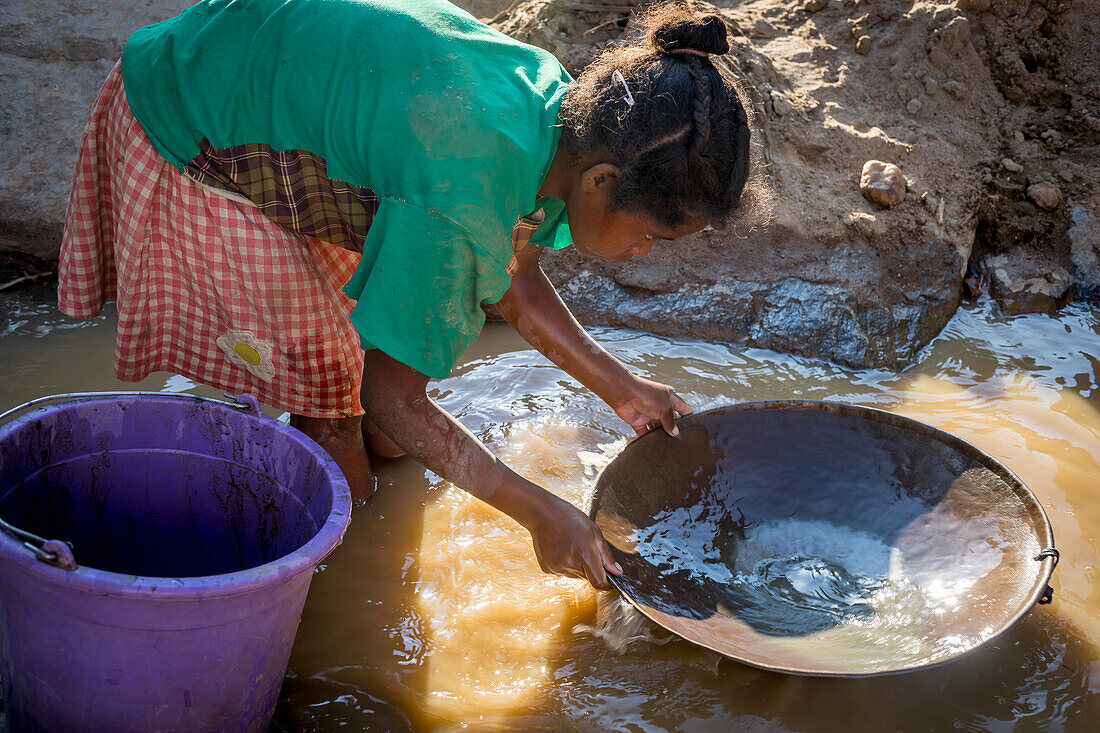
(291,188)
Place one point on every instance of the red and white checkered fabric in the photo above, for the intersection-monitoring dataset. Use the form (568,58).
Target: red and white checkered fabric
(189,267)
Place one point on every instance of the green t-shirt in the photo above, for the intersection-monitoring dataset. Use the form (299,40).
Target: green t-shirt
(452,124)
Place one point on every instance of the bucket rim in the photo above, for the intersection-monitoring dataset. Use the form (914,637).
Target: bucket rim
(303,559)
(1044,530)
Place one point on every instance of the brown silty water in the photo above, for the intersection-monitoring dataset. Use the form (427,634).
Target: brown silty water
(433,614)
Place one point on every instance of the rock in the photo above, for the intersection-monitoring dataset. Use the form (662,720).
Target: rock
(930,86)
(1011,166)
(1084,240)
(1046,196)
(812,6)
(780,104)
(914,106)
(1066,175)
(939,59)
(882,183)
(1023,282)
(863,45)
(954,36)
(955,88)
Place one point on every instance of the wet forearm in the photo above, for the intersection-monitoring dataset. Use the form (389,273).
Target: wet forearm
(535,310)
(397,403)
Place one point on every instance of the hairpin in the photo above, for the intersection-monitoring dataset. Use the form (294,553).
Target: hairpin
(617,77)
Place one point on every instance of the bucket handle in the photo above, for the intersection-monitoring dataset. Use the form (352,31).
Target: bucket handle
(60,554)
(53,552)
(243,401)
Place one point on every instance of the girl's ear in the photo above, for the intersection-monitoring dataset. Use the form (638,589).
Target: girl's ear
(599,176)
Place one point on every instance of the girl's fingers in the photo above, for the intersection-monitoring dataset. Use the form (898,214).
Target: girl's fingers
(680,405)
(594,572)
(609,560)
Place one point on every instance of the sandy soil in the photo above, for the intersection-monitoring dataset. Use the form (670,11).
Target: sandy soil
(976,102)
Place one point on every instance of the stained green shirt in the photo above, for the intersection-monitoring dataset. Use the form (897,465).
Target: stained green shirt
(452,124)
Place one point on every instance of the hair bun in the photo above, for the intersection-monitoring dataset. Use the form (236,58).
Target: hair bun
(685,30)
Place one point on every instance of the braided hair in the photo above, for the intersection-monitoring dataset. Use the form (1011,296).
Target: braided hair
(682,147)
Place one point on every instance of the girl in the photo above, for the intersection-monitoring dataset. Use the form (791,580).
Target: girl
(248,158)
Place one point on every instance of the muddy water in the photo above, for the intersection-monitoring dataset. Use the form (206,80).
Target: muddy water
(433,615)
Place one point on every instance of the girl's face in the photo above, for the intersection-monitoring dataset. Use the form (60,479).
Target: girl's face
(612,235)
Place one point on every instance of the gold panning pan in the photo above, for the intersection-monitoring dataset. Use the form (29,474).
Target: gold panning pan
(823,538)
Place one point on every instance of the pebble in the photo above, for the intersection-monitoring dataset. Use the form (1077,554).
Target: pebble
(930,86)
(780,104)
(939,59)
(812,6)
(863,45)
(1011,166)
(882,183)
(914,106)
(1046,196)
(955,88)
(1066,175)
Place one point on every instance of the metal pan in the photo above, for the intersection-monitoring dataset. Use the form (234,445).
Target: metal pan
(821,538)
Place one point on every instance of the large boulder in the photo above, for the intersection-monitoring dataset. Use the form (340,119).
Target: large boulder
(53,58)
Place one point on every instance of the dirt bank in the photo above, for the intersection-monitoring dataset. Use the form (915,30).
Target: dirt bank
(976,102)
(991,111)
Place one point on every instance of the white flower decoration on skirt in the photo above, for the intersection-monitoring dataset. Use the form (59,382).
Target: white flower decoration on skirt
(243,349)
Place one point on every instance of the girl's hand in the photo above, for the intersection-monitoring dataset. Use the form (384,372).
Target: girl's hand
(568,543)
(649,405)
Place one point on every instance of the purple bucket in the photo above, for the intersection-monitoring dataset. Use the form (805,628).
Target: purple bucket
(195,525)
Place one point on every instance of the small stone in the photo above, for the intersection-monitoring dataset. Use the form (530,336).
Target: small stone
(812,6)
(939,59)
(780,104)
(1011,166)
(1046,196)
(930,86)
(955,88)
(914,106)
(1066,175)
(863,45)
(882,183)
(1018,137)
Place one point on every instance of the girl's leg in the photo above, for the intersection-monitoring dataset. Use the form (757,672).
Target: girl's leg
(342,438)
(378,443)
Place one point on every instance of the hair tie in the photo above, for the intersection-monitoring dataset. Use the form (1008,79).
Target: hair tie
(692,51)
(617,78)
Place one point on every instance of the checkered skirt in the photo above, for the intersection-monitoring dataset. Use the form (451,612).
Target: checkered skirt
(206,286)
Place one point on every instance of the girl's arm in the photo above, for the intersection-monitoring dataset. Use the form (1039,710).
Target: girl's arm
(566,541)
(535,310)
